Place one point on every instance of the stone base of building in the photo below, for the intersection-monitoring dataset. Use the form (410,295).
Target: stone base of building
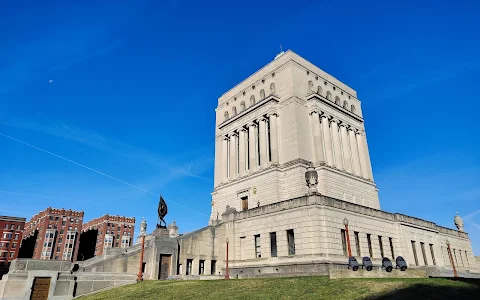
(379,273)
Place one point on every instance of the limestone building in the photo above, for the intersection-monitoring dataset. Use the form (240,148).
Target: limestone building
(292,166)
(292,171)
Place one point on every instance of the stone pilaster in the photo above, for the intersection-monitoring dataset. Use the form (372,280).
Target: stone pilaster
(355,156)
(274,138)
(225,159)
(317,138)
(252,143)
(347,157)
(363,156)
(233,155)
(262,131)
(242,153)
(336,144)
(327,140)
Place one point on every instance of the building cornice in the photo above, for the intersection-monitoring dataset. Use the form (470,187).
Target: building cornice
(315,96)
(271,98)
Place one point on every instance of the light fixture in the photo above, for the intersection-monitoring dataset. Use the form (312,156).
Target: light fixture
(345,221)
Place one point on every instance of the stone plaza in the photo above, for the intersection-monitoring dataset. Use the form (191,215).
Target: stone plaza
(294,194)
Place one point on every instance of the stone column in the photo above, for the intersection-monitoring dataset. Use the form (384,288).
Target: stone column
(347,157)
(274,138)
(225,159)
(363,156)
(242,155)
(252,141)
(317,138)
(367,155)
(355,157)
(327,140)
(233,155)
(262,128)
(337,148)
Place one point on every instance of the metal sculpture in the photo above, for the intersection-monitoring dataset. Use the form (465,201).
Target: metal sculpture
(162,212)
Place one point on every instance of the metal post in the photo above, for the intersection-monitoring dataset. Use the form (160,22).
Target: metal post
(227,276)
(348,241)
(455,274)
(140,273)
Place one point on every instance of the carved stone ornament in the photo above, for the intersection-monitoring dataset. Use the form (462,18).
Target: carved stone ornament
(458,222)
(311,177)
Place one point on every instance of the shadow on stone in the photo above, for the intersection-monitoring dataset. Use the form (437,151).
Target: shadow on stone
(423,291)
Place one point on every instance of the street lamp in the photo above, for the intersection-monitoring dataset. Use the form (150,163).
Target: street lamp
(345,222)
(143,230)
(227,276)
(451,259)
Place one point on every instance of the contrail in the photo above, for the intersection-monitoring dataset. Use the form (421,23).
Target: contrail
(44,196)
(93,170)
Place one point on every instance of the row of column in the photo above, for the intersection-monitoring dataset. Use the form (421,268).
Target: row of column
(341,146)
(250,148)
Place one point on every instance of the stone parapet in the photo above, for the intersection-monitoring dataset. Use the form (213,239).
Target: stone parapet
(320,200)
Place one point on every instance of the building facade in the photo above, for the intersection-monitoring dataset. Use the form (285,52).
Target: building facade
(11,233)
(54,234)
(109,232)
(292,171)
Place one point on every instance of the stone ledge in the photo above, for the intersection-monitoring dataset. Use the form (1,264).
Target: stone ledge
(379,273)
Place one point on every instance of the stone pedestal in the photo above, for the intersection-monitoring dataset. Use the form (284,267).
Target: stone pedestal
(161,232)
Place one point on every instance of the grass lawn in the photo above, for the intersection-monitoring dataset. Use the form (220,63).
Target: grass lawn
(296,288)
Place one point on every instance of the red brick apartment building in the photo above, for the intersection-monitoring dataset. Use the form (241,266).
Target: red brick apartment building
(11,232)
(105,232)
(53,234)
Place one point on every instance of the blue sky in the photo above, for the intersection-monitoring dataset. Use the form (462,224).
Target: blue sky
(135,86)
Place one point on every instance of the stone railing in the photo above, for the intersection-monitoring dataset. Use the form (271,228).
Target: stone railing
(232,214)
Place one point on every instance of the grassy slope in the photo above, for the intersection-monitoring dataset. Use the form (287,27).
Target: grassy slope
(296,288)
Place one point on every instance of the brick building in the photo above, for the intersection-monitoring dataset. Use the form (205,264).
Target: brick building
(11,231)
(105,232)
(53,234)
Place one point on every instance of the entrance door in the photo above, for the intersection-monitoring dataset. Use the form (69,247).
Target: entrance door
(244,203)
(40,288)
(164,266)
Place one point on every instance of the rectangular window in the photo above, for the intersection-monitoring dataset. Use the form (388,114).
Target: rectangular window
(291,242)
(390,240)
(244,203)
(466,256)
(14,245)
(258,254)
(369,242)
(461,258)
(189,266)
(344,241)
(422,246)
(273,244)
(414,249)
(12,254)
(357,243)
(213,267)
(433,255)
(380,243)
(455,254)
(201,267)
(16,236)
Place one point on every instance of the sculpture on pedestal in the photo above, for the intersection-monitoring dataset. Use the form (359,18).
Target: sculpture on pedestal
(458,222)
(162,212)
(311,177)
